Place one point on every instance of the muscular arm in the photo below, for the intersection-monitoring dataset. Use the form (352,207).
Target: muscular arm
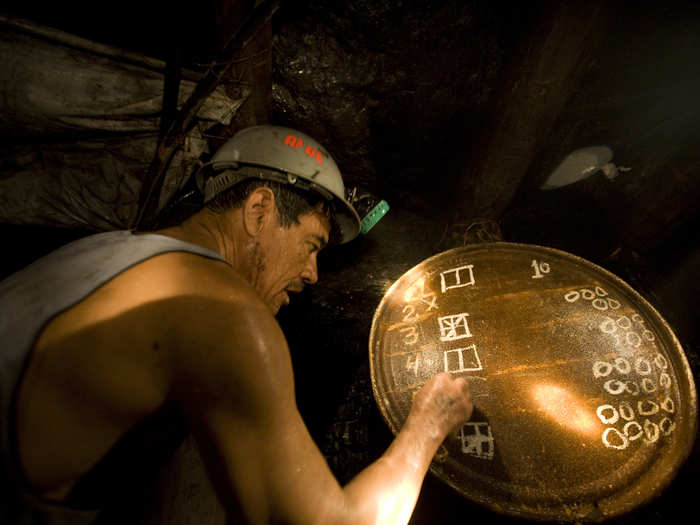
(234,380)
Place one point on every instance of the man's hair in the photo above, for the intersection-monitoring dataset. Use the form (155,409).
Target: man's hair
(291,202)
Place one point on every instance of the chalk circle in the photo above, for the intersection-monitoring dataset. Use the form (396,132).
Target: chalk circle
(665,380)
(637,318)
(614,387)
(626,411)
(608,326)
(648,335)
(600,304)
(650,409)
(572,296)
(624,322)
(613,304)
(642,366)
(602,369)
(632,387)
(621,440)
(607,420)
(648,385)
(633,430)
(668,405)
(633,339)
(622,365)
(600,291)
(660,361)
(587,294)
(651,431)
(667,426)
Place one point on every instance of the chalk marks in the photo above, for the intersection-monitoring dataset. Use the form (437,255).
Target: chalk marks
(477,440)
(460,360)
(651,431)
(620,440)
(643,365)
(416,315)
(660,361)
(540,268)
(644,378)
(417,293)
(598,298)
(630,332)
(632,430)
(602,369)
(613,438)
(614,386)
(667,426)
(412,363)
(453,327)
(646,407)
(457,277)
(668,405)
(607,414)
(665,380)
(410,335)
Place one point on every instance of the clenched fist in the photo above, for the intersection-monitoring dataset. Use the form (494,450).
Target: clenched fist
(443,403)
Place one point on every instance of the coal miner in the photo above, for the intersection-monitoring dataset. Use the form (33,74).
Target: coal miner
(116,344)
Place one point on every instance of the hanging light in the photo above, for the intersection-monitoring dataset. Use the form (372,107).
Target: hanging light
(581,164)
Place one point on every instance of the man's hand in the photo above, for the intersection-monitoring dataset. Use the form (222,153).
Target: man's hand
(442,404)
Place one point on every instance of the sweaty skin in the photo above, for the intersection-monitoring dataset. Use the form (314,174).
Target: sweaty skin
(195,331)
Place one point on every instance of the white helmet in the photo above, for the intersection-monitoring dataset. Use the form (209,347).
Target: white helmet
(299,160)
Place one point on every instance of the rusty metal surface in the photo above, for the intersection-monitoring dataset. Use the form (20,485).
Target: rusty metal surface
(585,406)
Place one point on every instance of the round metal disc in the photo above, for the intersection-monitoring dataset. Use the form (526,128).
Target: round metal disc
(585,405)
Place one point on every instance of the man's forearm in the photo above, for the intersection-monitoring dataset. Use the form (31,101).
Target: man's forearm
(387,490)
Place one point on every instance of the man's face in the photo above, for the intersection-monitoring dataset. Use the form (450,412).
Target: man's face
(288,259)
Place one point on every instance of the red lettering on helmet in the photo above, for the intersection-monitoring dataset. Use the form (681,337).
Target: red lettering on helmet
(294,142)
(314,154)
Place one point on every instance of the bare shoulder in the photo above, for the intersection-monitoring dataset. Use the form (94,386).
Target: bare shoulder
(225,337)
(206,298)
(188,273)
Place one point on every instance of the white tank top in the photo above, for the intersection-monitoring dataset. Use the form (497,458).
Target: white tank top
(29,299)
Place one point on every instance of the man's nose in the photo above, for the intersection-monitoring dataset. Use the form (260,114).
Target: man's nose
(310,272)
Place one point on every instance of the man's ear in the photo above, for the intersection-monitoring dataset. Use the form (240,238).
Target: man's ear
(258,210)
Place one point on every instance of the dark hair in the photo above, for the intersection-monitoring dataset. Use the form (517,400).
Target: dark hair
(291,202)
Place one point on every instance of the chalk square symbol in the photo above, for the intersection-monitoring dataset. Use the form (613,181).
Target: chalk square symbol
(457,277)
(477,440)
(453,327)
(462,360)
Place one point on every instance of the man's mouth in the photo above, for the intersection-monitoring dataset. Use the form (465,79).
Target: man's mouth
(290,288)
(294,287)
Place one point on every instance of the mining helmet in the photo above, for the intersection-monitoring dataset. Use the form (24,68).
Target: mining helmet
(287,156)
